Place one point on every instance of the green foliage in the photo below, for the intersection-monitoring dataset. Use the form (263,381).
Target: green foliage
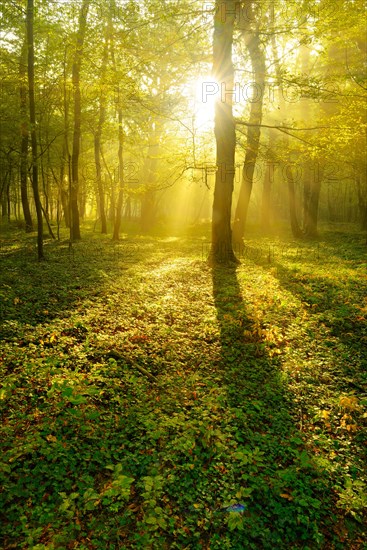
(257,397)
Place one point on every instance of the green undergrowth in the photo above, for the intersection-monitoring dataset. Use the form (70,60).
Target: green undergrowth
(144,393)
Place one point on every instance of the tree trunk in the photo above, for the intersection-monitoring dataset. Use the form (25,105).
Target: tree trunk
(253,139)
(225,135)
(117,224)
(100,190)
(120,153)
(362,200)
(312,205)
(24,139)
(265,201)
(98,138)
(32,117)
(148,201)
(74,187)
(296,230)
(295,227)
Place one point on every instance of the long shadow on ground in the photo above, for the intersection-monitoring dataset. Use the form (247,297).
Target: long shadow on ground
(287,497)
(339,307)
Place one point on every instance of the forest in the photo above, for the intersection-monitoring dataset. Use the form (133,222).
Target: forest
(183,284)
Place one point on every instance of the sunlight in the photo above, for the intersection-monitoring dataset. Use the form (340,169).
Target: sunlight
(206,90)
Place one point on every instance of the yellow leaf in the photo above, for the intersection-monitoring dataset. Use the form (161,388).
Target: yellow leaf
(352,428)
(287,496)
(325,415)
(16,301)
(349,403)
(51,438)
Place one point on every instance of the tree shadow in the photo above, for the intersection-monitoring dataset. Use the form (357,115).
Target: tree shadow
(337,307)
(285,492)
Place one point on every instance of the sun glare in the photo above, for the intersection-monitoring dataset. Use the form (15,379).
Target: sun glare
(206,91)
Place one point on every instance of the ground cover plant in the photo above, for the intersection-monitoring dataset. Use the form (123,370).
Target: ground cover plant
(150,401)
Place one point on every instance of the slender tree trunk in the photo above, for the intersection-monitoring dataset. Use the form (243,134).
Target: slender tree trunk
(24,139)
(253,138)
(296,230)
(295,227)
(98,138)
(148,203)
(117,224)
(116,213)
(32,116)
(312,205)
(100,190)
(4,194)
(362,200)
(306,193)
(8,207)
(225,135)
(74,187)
(265,201)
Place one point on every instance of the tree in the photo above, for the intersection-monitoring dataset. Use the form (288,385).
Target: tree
(24,137)
(74,187)
(32,118)
(225,134)
(257,57)
(98,136)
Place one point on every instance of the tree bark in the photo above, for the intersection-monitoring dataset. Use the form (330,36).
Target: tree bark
(32,117)
(74,187)
(225,135)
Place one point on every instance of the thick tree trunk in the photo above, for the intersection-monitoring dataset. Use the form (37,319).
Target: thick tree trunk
(253,138)
(32,116)
(24,139)
(225,135)
(74,187)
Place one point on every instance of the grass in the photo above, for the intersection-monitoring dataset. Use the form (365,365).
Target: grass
(143,394)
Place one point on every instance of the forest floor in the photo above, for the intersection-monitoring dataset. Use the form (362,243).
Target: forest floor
(150,401)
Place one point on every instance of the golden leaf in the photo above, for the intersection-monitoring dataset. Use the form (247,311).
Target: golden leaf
(287,496)
(349,403)
(325,415)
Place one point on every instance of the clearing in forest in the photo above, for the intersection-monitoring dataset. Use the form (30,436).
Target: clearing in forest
(150,401)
